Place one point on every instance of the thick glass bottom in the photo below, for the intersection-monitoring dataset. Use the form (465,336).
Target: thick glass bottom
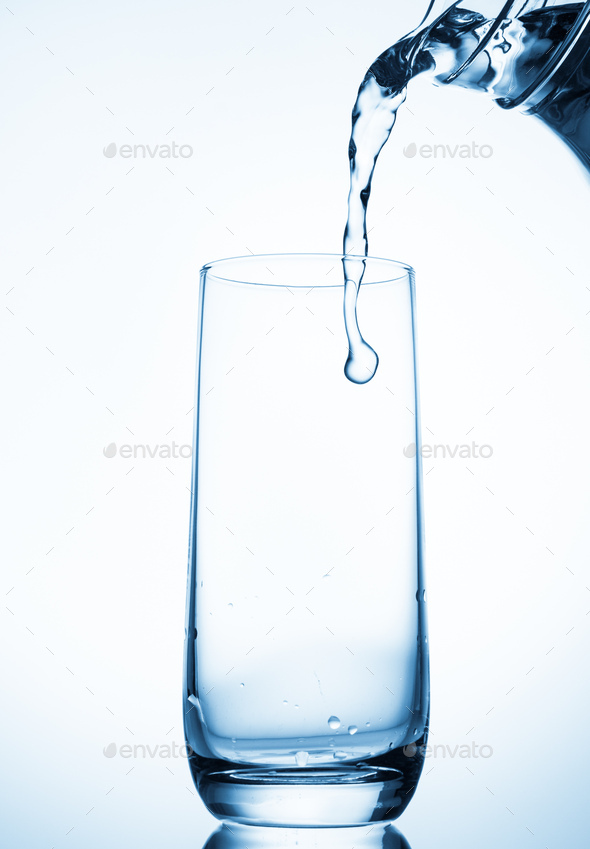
(374,790)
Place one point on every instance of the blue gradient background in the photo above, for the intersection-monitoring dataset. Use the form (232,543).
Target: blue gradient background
(98,338)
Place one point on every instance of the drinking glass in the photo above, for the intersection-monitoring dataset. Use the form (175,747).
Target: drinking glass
(306,659)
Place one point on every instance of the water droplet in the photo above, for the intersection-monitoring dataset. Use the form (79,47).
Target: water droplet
(340,756)
(233,739)
(285,702)
(368,724)
(296,707)
(352,729)
(362,362)
(302,758)
(230,604)
(415,731)
(334,722)
(242,684)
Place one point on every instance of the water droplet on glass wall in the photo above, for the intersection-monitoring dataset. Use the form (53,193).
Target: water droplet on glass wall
(352,729)
(334,722)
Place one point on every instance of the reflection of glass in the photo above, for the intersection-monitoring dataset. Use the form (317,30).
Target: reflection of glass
(247,837)
(306,656)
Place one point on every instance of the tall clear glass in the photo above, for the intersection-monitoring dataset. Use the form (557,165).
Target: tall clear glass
(306,661)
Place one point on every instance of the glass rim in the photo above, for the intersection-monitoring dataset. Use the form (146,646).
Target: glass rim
(211,269)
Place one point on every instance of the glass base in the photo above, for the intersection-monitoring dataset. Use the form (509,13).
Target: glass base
(236,836)
(374,790)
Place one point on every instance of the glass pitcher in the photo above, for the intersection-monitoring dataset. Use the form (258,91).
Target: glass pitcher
(534,56)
